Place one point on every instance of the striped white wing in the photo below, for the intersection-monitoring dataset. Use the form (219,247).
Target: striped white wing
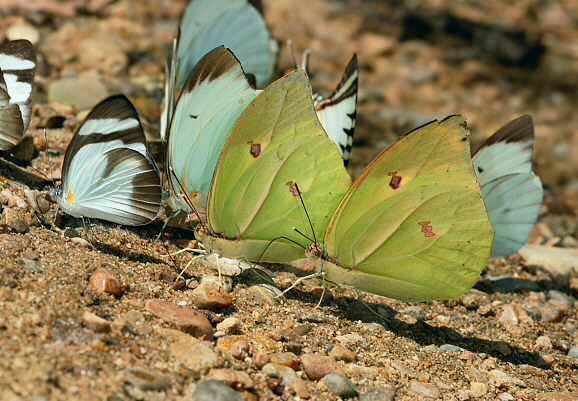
(17,67)
(510,189)
(235,24)
(215,94)
(106,172)
(337,113)
(120,185)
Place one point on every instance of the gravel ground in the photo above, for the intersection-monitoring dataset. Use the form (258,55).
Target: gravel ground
(115,321)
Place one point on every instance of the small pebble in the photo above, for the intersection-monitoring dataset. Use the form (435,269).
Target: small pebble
(285,373)
(210,295)
(381,393)
(415,311)
(260,359)
(450,348)
(214,390)
(232,378)
(288,359)
(196,355)
(478,390)
(103,281)
(505,397)
(561,297)
(353,339)
(230,325)
(81,242)
(188,320)
(426,390)
(317,366)
(96,323)
(267,294)
(543,343)
(340,385)
(240,349)
(341,353)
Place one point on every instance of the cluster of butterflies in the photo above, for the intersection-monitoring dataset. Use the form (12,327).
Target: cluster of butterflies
(265,170)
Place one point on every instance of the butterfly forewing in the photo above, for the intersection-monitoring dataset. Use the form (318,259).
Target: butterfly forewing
(215,94)
(113,123)
(106,172)
(17,68)
(510,189)
(276,143)
(413,226)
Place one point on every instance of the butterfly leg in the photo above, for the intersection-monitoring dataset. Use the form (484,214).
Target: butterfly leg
(300,279)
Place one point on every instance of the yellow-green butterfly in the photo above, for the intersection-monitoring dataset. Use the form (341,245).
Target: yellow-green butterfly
(413,226)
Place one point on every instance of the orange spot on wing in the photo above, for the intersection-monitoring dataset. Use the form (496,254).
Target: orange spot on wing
(69,196)
(426,229)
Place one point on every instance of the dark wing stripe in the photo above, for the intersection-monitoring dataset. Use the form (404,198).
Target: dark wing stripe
(114,107)
(519,130)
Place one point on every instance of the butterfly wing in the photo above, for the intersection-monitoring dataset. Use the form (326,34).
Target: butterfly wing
(337,113)
(510,189)
(17,68)
(413,226)
(215,94)
(277,142)
(120,185)
(235,24)
(170,88)
(106,172)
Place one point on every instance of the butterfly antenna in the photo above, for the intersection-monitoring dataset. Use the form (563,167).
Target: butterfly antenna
(306,213)
(275,239)
(48,158)
(186,198)
(303,235)
(290,46)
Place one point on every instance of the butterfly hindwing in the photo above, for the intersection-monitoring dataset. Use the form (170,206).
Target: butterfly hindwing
(413,226)
(106,173)
(511,191)
(17,68)
(337,113)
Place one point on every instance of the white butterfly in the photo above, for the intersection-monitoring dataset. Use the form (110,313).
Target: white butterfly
(337,113)
(215,94)
(17,67)
(106,172)
(207,24)
(510,189)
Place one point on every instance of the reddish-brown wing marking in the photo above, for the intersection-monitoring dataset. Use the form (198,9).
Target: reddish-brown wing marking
(255,148)
(293,188)
(395,180)
(426,228)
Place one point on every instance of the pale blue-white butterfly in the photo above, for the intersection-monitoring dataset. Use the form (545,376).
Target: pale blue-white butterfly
(510,189)
(106,172)
(207,24)
(17,67)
